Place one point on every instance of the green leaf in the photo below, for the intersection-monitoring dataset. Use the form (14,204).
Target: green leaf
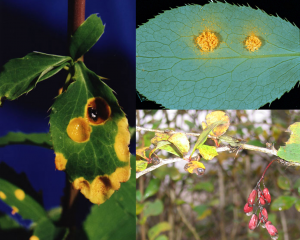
(203,136)
(153,208)
(55,213)
(46,230)
(20,75)
(36,139)
(152,188)
(139,208)
(297,205)
(86,36)
(283,203)
(203,211)
(283,183)
(20,201)
(7,223)
(90,136)
(157,229)
(116,216)
(297,185)
(256,143)
(291,152)
(139,195)
(206,186)
(11,230)
(162,237)
(172,70)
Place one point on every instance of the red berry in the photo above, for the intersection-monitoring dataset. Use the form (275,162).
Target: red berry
(263,216)
(248,210)
(267,195)
(253,222)
(272,230)
(252,197)
(262,201)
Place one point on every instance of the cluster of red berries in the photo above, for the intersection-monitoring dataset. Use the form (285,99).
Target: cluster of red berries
(263,197)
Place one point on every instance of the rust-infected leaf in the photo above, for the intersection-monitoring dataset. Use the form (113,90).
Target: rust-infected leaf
(214,117)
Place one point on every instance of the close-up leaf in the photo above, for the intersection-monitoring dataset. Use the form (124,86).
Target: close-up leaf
(218,55)
(20,75)
(90,136)
(80,43)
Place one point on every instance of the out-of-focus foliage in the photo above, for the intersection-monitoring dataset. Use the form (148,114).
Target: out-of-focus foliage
(211,205)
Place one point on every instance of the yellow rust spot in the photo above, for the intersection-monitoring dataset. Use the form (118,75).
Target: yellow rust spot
(207,41)
(97,111)
(98,191)
(2,195)
(14,210)
(34,238)
(60,162)
(122,141)
(120,175)
(252,43)
(79,130)
(19,193)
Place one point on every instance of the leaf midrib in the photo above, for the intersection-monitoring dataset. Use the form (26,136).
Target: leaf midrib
(233,57)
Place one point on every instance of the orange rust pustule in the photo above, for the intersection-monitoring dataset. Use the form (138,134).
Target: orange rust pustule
(97,111)
(60,162)
(207,41)
(79,130)
(252,43)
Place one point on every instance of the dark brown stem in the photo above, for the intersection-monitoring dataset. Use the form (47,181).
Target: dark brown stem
(76,16)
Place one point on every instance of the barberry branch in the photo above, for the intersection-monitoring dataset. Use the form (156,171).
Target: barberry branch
(271,151)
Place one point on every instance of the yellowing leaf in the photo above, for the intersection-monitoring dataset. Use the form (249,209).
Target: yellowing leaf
(141,152)
(141,166)
(214,117)
(291,152)
(160,137)
(195,167)
(207,152)
(181,142)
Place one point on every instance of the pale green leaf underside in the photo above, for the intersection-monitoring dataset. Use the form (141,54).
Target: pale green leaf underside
(172,71)
(20,75)
(36,139)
